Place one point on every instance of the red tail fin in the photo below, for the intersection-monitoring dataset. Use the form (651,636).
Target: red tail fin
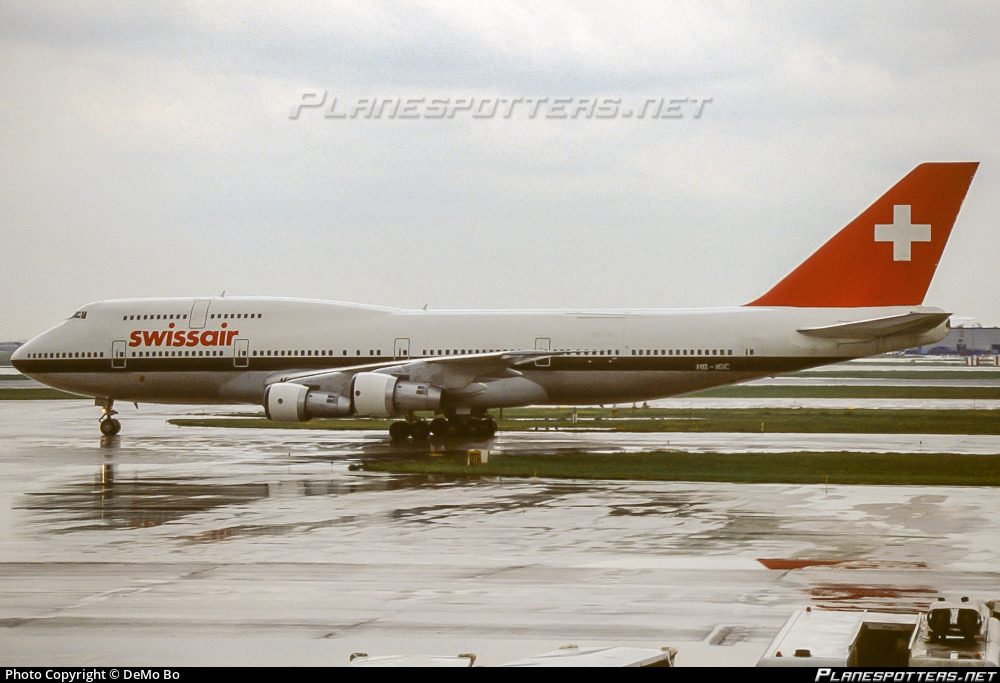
(887,255)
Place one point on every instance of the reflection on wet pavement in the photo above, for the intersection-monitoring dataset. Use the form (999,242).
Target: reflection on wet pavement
(271,542)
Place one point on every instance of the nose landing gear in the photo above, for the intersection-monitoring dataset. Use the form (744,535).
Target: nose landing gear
(108,424)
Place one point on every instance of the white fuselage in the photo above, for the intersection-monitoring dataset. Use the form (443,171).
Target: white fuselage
(227,350)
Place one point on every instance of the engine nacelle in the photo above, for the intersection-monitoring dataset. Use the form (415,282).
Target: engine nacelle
(290,402)
(378,395)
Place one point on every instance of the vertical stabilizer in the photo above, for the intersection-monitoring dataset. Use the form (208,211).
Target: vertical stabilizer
(888,254)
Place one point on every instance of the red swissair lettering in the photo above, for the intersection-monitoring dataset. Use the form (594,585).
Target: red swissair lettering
(171,337)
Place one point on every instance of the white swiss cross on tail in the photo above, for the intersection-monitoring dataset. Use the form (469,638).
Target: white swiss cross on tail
(902,232)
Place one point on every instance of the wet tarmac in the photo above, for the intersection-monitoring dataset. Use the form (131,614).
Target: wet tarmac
(173,546)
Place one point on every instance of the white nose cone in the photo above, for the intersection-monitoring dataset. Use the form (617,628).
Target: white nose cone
(19,354)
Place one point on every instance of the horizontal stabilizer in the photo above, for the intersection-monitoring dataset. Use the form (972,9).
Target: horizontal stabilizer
(874,328)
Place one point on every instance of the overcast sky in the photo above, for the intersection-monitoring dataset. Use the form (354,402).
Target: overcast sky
(150,149)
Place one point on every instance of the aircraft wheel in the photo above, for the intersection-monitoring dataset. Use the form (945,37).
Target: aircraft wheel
(420,431)
(463,427)
(483,428)
(399,431)
(440,426)
(488,427)
(110,427)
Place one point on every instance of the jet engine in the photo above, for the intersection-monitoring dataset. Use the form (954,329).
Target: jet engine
(290,402)
(377,395)
(372,395)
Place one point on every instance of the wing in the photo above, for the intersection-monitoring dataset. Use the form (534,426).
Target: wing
(446,372)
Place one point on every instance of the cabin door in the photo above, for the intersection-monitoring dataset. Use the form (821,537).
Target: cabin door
(118,353)
(199,314)
(241,348)
(401,349)
(543,344)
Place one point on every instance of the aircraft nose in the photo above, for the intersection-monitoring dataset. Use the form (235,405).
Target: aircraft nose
(16,358)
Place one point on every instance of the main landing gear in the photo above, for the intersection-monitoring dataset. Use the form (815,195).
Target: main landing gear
(454,426)
(108,424)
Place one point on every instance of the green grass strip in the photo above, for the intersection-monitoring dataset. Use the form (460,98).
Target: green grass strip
(337,424)
(848,392)
(832,468)
(775,420)
(970,374)
(31,394)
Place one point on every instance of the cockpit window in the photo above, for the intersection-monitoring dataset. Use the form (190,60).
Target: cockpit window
(79,314)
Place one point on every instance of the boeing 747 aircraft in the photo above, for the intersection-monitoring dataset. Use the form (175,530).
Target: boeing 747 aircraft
(859,295)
